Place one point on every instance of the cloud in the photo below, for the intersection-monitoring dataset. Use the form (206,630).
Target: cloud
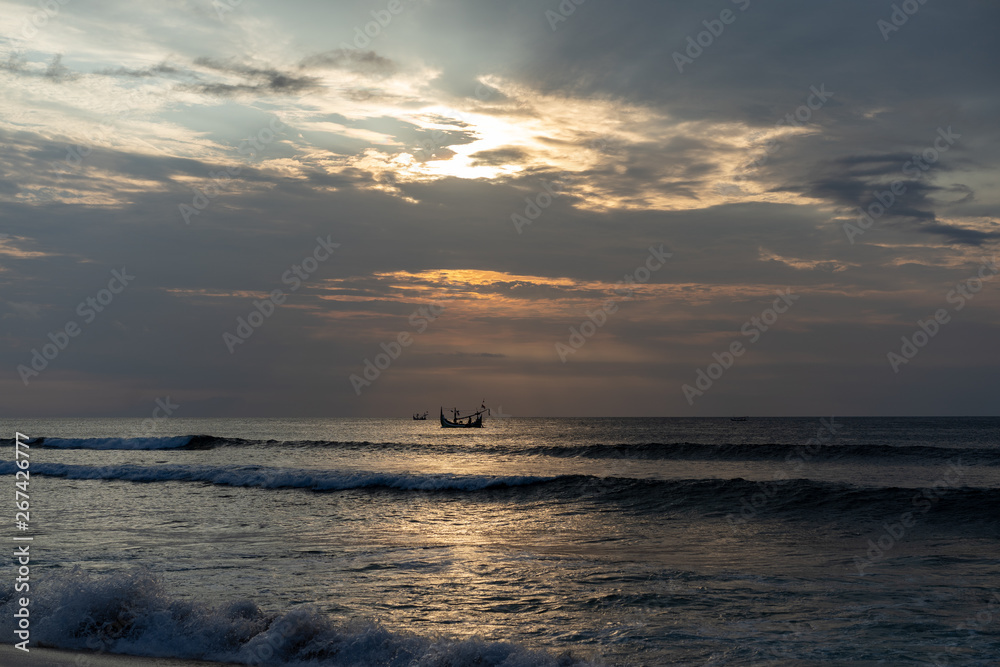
(256,79)
(957,234)
(361,62)
(499,156)
(161,68)
(57,71)
(54,71)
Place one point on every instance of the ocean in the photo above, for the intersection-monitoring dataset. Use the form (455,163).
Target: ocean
(530,542)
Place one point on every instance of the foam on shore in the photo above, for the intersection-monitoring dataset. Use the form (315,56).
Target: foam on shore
(132,614)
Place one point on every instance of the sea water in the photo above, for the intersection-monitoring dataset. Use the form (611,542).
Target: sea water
(528,542)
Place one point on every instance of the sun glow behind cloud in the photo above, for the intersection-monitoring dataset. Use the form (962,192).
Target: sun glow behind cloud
(399,133)
(415,150)
(520,129)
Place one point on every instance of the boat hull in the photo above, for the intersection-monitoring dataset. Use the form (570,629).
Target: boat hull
(475,423)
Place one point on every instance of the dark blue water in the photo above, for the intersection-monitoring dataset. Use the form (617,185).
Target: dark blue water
(529,542)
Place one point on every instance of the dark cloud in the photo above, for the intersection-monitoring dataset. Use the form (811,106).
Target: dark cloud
(366,94)
(54,71)
(15,62)
(57,71)
(162,68)
(498,156)
(888,188)
(258,80)
(957,234)
(361,62)
(445,120)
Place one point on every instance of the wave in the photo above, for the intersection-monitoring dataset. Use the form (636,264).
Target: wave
(277,478)
(790,498)
(769,452)
(800,500)
(654,450)
(150,443)
(132,613)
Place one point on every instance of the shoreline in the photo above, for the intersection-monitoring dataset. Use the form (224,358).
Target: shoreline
(51,657)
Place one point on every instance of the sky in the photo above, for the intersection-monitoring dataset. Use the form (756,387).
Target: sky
(575,208)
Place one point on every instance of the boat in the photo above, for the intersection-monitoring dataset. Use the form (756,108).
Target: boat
(738,419)
(472,420)
(419,417)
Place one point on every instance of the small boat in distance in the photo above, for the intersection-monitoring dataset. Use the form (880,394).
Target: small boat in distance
(419,417)
(473,420)
(738,419)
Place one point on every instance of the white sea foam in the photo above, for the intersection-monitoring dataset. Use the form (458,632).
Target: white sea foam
(132,613)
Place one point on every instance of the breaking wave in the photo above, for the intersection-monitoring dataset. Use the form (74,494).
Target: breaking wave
(133,614)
